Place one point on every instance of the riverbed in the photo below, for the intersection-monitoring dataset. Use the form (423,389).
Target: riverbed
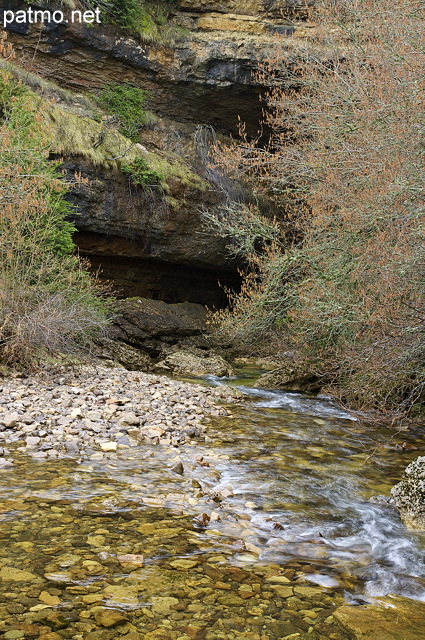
(258,527)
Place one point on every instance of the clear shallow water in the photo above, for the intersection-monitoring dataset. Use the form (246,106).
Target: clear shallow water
(311,468)
(298,473)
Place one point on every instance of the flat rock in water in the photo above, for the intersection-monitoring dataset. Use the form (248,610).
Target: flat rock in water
(183,564)
(162,604)
(109,617)
(16,575)
(395,618)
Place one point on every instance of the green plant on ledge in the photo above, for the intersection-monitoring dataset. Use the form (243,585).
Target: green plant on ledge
(143,176)
(126,103)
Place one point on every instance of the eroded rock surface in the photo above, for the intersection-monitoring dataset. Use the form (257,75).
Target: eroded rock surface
(144,323)
(394,618)
(205,74)
(409,495)
(195,362)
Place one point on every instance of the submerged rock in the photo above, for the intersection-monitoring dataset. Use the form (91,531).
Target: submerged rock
(409,495)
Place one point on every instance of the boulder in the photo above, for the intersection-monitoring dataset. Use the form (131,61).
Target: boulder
(145,323)
(409,495)
(118,352)
(393,618)
(195,362)
(289,378)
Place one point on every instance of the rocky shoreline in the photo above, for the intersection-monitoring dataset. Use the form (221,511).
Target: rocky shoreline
(125,553)
(94,411)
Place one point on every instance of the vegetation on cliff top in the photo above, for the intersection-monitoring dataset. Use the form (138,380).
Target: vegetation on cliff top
(339,276)
(147,18)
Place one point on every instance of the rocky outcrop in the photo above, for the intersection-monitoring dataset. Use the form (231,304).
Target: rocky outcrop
(142,323)
(205,75)
(409,495)
(150,335)
(289,378)
(148,245)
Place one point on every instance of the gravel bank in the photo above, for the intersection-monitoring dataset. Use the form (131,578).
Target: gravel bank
(96,411)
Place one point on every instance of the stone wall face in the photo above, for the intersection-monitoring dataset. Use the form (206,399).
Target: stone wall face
(206,76)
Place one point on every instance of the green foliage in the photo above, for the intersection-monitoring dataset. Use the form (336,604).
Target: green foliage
(142,175)
(19,122)
(127,104)
(47,299)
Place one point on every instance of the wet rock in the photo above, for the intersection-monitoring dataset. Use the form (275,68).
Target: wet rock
(289,378)
(46,598)
(109,617)
(183,564)
(308,592)
(278,580)
(281,591)
(131,559)
(394,618)
(230,600)
(16,575)
(162,605)
(14,634)
(384,501)
(201,522)
(178,468)
(409,495)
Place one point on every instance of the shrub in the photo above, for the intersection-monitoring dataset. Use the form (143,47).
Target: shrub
(345,167)
(142,175)
(127,104)
(47,300)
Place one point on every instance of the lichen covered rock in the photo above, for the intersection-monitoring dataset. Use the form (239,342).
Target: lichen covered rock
(409,495)
(195,362)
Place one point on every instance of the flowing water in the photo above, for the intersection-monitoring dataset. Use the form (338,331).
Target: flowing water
(311,469)
(292,533)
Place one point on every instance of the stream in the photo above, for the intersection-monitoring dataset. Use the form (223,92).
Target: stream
(291,537)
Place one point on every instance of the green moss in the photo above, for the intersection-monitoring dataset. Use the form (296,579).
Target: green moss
(78,128)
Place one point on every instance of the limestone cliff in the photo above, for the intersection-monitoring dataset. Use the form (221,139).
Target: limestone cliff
(154,246)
